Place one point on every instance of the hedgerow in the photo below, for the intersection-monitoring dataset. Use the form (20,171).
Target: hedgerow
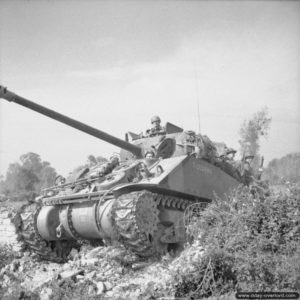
(251,243)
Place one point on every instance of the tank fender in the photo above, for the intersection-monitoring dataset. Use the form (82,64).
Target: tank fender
(154,188)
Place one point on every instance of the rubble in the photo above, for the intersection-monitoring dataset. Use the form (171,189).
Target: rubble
(74,254)
(46,294)
(9,226)
(100,287)
(70,274)
(90,275)
(105,272)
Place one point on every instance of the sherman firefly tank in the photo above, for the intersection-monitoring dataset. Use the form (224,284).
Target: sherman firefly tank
(137,201)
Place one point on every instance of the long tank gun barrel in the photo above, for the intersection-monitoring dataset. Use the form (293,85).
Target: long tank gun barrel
(11,97)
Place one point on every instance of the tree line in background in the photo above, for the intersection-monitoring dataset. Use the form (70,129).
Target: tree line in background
(285,169)
(24,180)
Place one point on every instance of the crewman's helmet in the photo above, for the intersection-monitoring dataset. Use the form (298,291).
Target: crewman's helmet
(155,119)
(230,150)
(249,157)
(114,159)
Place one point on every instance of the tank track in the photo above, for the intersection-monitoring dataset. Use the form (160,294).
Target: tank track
(126,221)
(52,251)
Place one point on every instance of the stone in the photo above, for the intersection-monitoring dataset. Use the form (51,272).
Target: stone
(91,290)
(109,272)
(14,266)
(117,276)
(17,248)
(100,277)
(74,254)
(100,288)
(6,279)
(93,253)
(70,273)
(110,294)
(89,262)
(21,268)
(66,267)
(108,285)
(119,270)
(46,294)
(2,271)
(90,275)
(140,265)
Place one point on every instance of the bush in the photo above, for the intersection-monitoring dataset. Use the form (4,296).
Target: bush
(6,256)
(251,244)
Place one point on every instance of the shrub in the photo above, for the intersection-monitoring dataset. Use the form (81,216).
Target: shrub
(251,244)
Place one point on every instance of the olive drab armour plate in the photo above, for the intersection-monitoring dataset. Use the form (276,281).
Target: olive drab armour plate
(140,203)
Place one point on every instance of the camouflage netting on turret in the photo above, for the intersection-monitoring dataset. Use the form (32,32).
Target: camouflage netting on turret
(9,228)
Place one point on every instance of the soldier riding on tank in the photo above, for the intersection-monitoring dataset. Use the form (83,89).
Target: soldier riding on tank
(229,155)
(244,169)
(149,154)
(107,168)
(228,164)
(156,129)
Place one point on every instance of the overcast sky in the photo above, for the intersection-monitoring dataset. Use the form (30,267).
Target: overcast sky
(115,64)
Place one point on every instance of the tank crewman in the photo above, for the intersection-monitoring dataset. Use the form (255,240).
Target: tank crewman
(228,164)
(109,166)
(191,137)
(156,127)
(143,172)
(247,163)
(150,158)
(149,154)
(91,161)
(230,154)
(246,170)
(60,180)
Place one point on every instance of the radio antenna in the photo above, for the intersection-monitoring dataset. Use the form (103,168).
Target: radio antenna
(197,96)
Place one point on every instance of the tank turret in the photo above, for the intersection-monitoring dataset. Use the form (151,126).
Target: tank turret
(139,200)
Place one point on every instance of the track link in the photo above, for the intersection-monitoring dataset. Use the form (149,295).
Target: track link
(128,222)
(124,216)
(53,251)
